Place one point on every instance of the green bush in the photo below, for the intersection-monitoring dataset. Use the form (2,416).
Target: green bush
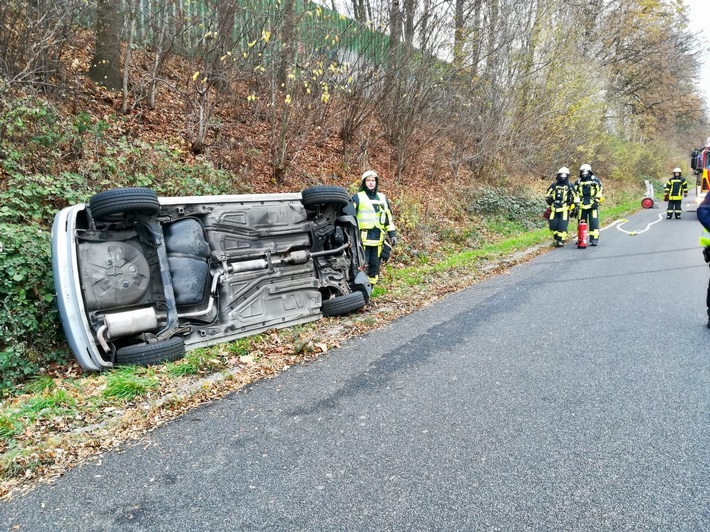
(37,198)
(199,179)
(30,334)
(469,236)
(503,204)
(35,140)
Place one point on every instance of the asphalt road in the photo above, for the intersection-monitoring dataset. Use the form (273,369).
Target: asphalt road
(570,393)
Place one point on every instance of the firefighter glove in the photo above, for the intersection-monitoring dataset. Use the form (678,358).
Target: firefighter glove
(706,254)
(665,197)
(548,200)
(393,238)
(386,251)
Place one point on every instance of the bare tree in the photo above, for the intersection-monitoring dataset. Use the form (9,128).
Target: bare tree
(33,41)
(459,32)
(211,74)
(544,79)
(162,42)
(358,11)
(476,39)
(288,37)
(410,13)
(129,53)
(650,62)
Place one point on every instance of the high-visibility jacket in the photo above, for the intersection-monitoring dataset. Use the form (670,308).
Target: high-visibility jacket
(562,194)
(589,192)
(374,218)
(704,219)
(675,188)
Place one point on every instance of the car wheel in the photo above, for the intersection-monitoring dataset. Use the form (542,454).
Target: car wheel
(149,354)
(337,306)
(324,195)
(119,200)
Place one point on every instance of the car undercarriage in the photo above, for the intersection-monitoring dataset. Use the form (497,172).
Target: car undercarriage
(141,279)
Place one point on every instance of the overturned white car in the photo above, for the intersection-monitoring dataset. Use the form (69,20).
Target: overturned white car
(142,278)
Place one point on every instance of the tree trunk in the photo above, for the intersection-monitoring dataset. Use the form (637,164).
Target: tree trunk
(395,24)
(492,59)
(458,35)
(424,26)
(410,8)
(359,11)
(395,56)
(527,67)
(127,62)
(105,66)
(288,35)
(476,39)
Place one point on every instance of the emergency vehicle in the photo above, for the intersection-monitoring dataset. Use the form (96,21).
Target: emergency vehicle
(700,163)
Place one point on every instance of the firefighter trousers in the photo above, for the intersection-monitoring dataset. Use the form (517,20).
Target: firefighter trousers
(591,216)
(372,260)
(559,222)
(673,208)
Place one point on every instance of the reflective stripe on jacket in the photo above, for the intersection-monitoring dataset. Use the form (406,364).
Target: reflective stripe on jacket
(374,214)
(675,188)
(589,192)
(563,196)
(704,219)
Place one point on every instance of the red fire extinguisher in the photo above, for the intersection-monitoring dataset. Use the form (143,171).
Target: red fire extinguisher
(582,234)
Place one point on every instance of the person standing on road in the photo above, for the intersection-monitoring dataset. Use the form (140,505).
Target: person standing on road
(589,191)
(704,219)
(375,221)
(674,192)
(562,199)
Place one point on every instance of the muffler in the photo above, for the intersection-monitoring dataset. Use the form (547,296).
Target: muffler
(119,324)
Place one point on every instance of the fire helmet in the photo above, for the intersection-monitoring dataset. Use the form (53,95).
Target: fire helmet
(365,175)
(370,173)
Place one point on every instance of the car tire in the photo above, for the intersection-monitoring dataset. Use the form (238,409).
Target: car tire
(120,200)
(324,195)
(337,306)
(149,354)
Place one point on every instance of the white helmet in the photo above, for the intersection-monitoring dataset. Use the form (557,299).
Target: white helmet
(585,168)
(563,170)
(676,170)
(370,173)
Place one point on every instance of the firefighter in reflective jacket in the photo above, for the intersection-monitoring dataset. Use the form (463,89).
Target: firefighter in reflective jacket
(589,191)
(562,199)
(674,191)
(704,219)
(374,219)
